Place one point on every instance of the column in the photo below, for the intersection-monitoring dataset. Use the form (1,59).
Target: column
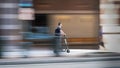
(110,25)
(10,26)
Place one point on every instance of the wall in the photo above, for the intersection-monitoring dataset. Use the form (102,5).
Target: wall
(76,25)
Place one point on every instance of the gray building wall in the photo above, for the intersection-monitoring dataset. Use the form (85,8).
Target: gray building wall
(10,26)
(109,18)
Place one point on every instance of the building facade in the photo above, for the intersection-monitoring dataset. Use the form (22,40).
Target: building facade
(81,20)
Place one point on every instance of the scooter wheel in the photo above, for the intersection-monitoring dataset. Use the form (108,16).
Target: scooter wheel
(68,51)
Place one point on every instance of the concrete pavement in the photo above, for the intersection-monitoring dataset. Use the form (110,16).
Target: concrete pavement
(47,53)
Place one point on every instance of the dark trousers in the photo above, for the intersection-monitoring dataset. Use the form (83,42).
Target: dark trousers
(58,45)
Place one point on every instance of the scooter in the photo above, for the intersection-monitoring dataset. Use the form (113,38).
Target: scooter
(66,45)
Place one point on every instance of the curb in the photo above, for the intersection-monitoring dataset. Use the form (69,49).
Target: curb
(101,54)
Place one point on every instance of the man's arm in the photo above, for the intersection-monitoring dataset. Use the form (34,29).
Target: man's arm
(62,32)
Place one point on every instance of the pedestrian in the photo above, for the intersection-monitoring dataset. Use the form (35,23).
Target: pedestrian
(101,42)
(58,39)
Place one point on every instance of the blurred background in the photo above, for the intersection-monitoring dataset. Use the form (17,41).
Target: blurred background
(92,30)
(27,26)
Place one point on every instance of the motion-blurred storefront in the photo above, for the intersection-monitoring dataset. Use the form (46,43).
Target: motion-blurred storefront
(80,18)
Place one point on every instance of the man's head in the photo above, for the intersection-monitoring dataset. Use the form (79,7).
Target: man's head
(59,24)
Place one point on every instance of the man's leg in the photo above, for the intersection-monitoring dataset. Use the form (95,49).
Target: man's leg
(58,46)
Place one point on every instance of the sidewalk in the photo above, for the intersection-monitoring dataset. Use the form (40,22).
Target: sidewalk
(47,53)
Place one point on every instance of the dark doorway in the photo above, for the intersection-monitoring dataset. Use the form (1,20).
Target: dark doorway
(40,20)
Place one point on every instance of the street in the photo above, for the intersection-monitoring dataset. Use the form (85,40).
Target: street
(78,64)
(96,64)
